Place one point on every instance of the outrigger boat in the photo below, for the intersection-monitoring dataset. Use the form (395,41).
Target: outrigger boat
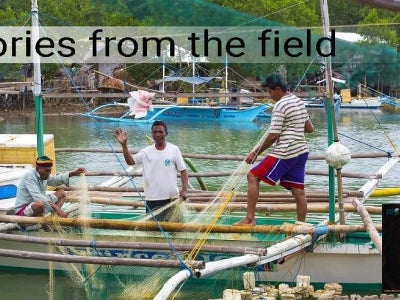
(139,107)
(109,229)
(118,233)
(173,112)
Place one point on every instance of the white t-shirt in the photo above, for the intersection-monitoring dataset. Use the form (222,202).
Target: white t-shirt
(160,170)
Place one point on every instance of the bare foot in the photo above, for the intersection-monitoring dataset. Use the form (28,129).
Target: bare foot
(245,222)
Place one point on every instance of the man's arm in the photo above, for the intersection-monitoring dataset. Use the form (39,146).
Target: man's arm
(58,210)
(185,183)
(122,138)
(308,126)
(127,155)
(268,142)
(77,172)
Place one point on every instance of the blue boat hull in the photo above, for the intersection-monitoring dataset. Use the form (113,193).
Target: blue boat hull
(197,113)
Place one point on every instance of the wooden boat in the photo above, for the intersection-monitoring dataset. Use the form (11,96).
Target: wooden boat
(197,107)
(371,103)
(366,99)
(17,157)
(121,233)
(348,102)
(390,104)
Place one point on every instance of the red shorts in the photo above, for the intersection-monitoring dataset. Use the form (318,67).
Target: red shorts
(289,172)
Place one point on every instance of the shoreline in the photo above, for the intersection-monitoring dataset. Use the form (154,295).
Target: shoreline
(48,109)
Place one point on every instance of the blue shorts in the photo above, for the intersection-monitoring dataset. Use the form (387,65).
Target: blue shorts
(289,172)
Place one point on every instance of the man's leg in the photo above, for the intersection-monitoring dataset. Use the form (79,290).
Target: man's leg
(61,195)
(253,188)
(301,203)
(33,209)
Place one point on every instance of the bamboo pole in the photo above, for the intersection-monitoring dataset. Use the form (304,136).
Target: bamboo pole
(310,194)
(224,174)
(108,201)
(270,208)
(273,195)
(369,225)
(106,188)
(343,174)
(199,193)
(241,206)
(177,227)
(126,245)
(113,261)
(368,187)
(224,156)
(340,198)
(270,201)
(138,174)
(244,199)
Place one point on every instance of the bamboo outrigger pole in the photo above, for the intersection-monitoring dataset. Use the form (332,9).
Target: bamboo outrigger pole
(126,245)
(262,207)
(274,252)
(179,227)
(223,156)
(115,261)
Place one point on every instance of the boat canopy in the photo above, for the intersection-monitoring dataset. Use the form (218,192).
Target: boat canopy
(192,80)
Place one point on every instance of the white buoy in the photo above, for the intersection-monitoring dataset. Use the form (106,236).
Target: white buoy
(337,155)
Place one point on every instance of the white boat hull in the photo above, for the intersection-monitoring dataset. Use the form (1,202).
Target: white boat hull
(10,176)
(346,264)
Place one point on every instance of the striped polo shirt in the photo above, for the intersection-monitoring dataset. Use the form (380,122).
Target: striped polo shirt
(288,117)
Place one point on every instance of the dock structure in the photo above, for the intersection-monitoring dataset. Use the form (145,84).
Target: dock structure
(18,95)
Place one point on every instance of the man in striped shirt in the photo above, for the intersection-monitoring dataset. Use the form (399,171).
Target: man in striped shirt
(287,159)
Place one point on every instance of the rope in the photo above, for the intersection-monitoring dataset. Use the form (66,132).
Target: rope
(369,145)
(234,183)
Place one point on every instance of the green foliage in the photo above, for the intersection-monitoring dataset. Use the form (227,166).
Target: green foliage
(288,12)
(356,63)
(379,32)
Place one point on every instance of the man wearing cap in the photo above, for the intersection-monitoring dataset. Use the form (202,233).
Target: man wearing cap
(31,194)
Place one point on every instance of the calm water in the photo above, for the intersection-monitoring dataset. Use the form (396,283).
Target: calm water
(360,131)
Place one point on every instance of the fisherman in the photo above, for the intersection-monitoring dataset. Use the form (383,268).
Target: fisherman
(336,98)
(31,198)
(286,162)
(161,162)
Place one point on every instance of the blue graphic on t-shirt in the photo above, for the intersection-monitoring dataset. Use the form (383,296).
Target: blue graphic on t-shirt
(167,162)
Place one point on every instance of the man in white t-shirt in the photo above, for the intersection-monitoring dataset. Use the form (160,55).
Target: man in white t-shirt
(161,163)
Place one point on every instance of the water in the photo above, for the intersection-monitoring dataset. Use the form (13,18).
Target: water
(360,131)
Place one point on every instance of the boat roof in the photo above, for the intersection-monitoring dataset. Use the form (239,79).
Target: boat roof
(191,80)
